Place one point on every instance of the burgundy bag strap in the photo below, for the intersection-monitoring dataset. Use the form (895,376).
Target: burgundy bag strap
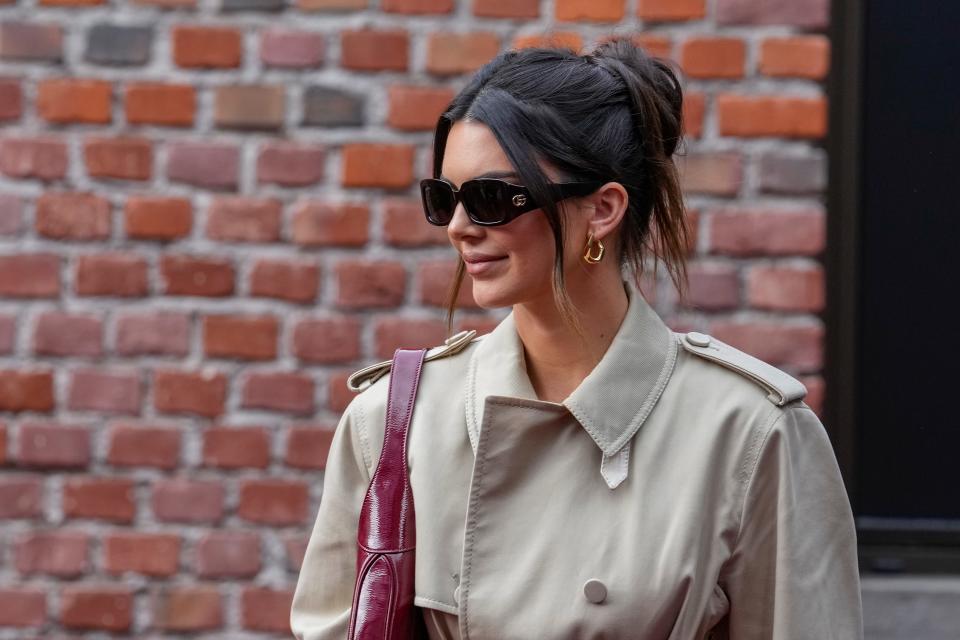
(390,497)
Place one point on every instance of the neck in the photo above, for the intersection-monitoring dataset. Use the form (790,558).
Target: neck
(557,358)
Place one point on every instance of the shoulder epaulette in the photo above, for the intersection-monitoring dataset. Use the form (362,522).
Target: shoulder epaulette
(454,344)
(781,387)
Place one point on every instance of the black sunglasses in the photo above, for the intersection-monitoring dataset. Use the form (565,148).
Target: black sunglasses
(489,201)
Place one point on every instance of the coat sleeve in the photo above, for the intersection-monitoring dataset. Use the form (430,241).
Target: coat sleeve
(793,572)
(324,592)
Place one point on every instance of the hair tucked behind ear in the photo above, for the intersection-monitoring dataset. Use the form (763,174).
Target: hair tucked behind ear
(614,114)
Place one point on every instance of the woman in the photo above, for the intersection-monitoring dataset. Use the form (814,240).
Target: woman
(582,471)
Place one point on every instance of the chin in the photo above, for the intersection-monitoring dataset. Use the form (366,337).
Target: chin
(491,294)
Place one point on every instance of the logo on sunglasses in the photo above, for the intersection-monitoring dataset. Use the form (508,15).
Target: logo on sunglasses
(519,200)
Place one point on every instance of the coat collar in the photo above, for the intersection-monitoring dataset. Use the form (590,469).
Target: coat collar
(611,403)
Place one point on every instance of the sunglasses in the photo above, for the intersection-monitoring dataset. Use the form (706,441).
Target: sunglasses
(490,201)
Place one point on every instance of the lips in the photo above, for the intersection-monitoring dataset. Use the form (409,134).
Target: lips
(478,264)
(475,258)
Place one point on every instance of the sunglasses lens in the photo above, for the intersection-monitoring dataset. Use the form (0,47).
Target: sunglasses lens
(486,200)
(438,201)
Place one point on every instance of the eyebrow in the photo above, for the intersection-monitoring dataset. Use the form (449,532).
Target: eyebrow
(488,174)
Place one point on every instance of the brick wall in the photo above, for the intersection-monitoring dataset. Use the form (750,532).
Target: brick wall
(208,218)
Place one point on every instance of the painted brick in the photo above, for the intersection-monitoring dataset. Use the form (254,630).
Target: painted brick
(404,225)
(590,10)
(134,445)
(74,100)
(291,48)
(417,6)
(717,173)
(204,164)
(308,447)
(327,340)
(187,501)
(758,232)
(417,108)
(22,607)
(114,44)
(284,280)
(320,224)
(671,10)
(188,608)
(190,276)
(26,390)
(392,333)
(206,47)
(53,445)
(782,116)
(378,165)
(797,56)
(434,278)
(242,219)
(241,337)
(375,50)
(792,173)
(59,552)
(161,104)
(63,334)
(710,57)
(43,158)
(201,393)
(149,554)
(104,391)
(94,607)
(153,333)
(456,53)
(111,274)
(73,216)
(786,288)
(124,158)
(30,41)
(370,284)
(811,14)
(331,107)
(11,99)
(290,164)
(506,8)
(157,217)
(248,106)
(228,554)
(286,392)
(266,609)
(236,447)
(21,496)
(109,499)
(273,502)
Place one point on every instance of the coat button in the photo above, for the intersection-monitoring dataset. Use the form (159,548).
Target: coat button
(456,595)
(595,591)
(698,339)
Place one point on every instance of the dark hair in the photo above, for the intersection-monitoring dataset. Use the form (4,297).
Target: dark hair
(612,115)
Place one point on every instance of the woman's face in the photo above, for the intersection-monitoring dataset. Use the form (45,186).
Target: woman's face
(511,263)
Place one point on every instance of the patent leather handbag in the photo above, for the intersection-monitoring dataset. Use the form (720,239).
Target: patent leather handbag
(383,606)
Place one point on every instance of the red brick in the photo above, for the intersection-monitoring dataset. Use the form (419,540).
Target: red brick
(291,48)
(363,283)
(319,224)
(73,216)
(11,99)
(553,39)
(153,333)
(243,219)
(813,14)
(781,116)
(711,57)
(392,333)
(713,287)
(338,395)
(69,100)
(150,554)
(3,443)
(308,447)
(99,498)
(189,501)
(8,332)
(378,165)
(188,608)
(68,334)
(157,218)
(332,5)
(30,42)
(11,214)
(404,225)
(131,445)
(21,496)
(70,3)
(375,50)
(796,56)
(280,391)
(273,502)
(655,44)
(750,232)
(249,106)
(94,607)
(290,164)
(327,340)
(201,393)
(435,278)
(786,288)
(456,53)
(815,393)
(22,607)
(483,324)
(671,10)
(60,553)
(228,554)
(265,609)
(506,8)
(243,337)
(204,164)
(285,280)
(236,447)
(111,274)
(417,6)
(791,346)
(590,10)
(190,276)
(26,390)
(124,158)
(158,103)
(205,47)
(104,391)
(295,548)
(718,173)
(694,107)
(417,108)
(51,445)
(44,158)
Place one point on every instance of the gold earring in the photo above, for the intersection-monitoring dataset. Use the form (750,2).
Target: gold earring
(588,251)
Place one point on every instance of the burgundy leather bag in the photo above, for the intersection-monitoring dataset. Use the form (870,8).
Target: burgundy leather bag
(383,606)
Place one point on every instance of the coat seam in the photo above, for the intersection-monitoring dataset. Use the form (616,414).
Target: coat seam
(757,446)
(365,450)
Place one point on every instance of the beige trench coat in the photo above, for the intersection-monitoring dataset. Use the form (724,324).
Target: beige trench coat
(682,491)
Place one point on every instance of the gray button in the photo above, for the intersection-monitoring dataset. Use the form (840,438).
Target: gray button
(698,339)
(595,591)
(456,595)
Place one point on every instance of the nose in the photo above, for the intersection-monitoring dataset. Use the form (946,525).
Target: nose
(461,226)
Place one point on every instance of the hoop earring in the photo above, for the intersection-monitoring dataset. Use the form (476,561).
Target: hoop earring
(588,255)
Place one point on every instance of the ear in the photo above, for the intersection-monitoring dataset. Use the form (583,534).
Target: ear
(609,206)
